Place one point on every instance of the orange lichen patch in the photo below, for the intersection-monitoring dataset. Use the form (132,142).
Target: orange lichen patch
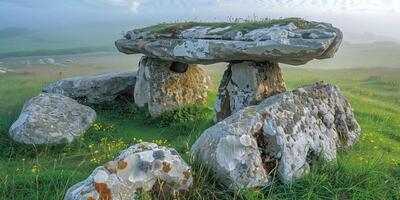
(166,167)
(110,168)
(265,116)
(186,175)
(140,42)
(103,190)
(122,164)
(90,198)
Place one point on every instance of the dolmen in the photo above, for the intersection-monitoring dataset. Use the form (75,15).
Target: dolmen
(262,130)
(252,49)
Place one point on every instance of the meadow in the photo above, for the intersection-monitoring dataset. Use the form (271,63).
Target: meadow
(369,170)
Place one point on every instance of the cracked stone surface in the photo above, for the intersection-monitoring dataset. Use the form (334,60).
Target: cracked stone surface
(245,84)
(141,167)
(160,89)
(280,136)
(96,89)
(281,43)
(51,118)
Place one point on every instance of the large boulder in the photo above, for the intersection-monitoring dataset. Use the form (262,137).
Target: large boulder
(292,41)
(161,88)
(245,84)
(281,135)
(142,167)
(96,89)
(51,118)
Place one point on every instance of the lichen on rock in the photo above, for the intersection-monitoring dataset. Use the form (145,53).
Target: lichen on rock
(247,83)
(140,168)
(97,89)
(51,119)
(290,41)
(160,89)
(279,136)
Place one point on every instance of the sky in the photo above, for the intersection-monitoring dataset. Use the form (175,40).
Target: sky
(358,16)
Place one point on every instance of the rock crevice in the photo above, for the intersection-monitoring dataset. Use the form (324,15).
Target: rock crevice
(247,83)
(281,135)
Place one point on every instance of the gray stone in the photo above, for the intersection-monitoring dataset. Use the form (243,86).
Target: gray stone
(51,118)
(96,89)
(160,89)
(245,84)
(136,169)
(281,135)
(201,44)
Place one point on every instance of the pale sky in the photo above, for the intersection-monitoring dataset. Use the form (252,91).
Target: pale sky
(376,16)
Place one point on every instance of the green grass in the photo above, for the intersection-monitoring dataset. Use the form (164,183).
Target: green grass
(243,26)
(369,170)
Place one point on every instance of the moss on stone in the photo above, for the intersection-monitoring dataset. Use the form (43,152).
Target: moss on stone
(234,26)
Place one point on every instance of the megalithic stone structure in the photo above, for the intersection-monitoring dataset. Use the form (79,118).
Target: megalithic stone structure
(253,50)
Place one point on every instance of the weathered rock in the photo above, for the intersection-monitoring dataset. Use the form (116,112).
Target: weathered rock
(51,118)
(245,84)
(290,41)
(161,89)
(142,167)
(96,89)
(282,134)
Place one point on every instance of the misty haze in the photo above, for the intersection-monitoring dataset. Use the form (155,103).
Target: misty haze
(200,99)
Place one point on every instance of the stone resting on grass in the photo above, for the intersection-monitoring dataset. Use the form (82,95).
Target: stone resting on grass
(253,50)
(96,89)
(282,135)
(51,118)
(140,168)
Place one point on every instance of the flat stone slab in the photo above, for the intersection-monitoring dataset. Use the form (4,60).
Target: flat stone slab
(96,89)
(291,41)
(282,135)
(140,168)
(51,119)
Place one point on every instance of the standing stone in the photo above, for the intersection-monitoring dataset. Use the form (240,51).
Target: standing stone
(282,135)
(160,88)
(96,89)
(140,168)
(51,118)
(245,84)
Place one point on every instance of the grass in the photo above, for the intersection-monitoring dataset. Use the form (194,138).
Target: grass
(369,170)
(233,26)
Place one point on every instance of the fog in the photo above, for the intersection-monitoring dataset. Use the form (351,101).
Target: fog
(375,16)
(41,25)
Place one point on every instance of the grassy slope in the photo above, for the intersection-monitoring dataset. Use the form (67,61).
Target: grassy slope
(370,170)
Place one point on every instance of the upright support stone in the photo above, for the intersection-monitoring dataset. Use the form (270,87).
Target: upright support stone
(164,85)
(247,83)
